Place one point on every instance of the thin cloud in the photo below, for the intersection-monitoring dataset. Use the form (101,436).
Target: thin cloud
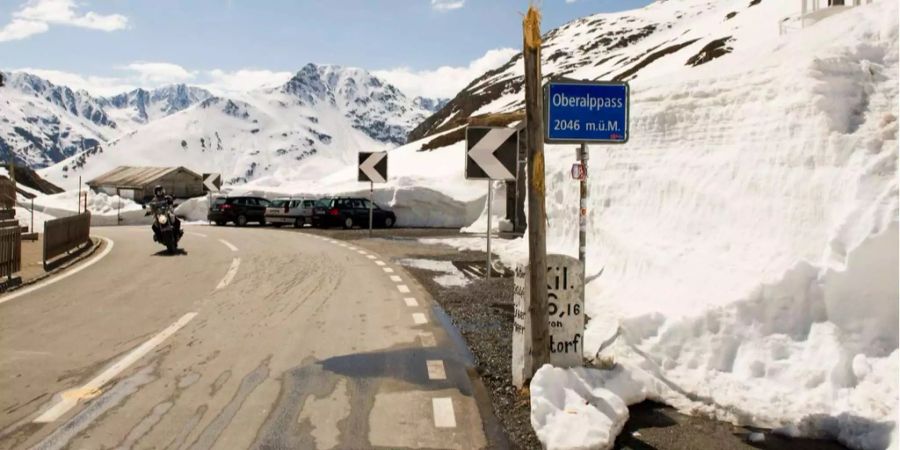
(244,80)
(156,73)
(36,17)
(446,81)
(447,5)
(95,85)
(150,75)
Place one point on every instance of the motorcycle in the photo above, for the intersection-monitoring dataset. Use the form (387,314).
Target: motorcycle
(165,225)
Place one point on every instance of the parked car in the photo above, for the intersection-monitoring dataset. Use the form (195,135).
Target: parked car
(290,211)
(239,210)
(349,212)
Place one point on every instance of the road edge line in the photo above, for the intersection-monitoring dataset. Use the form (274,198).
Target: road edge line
(62,276)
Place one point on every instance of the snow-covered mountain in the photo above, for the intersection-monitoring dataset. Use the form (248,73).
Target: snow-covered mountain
(668,36)
(141,106)
(42,123)
(314,124)
(431,104)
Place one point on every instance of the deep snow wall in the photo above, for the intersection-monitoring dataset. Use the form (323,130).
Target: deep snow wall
(747,234)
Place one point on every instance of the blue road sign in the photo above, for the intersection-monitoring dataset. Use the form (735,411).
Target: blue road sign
(587,111)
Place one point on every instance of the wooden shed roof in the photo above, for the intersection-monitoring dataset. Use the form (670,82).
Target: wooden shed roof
(136,176)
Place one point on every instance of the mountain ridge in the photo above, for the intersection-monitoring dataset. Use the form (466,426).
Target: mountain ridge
(44,123)
(321,110)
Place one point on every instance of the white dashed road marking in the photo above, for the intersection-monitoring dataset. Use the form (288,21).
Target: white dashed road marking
(411,302)
(436,369)
(404,289)
(68,399)
(396,279)
(419,318)
(380,263)
(427,339)
(370,256)
(229,245)
(443,412)
(232,271)
(387,270)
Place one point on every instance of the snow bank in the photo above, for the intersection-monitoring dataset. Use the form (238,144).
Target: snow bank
(416,201)
(498,212)
(105,209)
(571,409)
(451,276)
(745,239)
(584,408)
(25,219)
(193,209)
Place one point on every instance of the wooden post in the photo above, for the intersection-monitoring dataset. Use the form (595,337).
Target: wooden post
(537,216)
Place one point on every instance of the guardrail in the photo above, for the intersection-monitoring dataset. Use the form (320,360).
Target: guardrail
(10,250)
(66,234)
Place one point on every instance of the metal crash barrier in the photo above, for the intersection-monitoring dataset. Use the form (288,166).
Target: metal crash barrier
(66,234)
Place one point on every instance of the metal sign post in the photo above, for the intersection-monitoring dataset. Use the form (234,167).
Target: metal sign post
(583,156)
(489,202)
(492,153)
(371,202)
(119,207)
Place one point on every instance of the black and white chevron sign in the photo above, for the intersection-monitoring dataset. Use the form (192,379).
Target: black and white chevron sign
(373,167)
(491,153)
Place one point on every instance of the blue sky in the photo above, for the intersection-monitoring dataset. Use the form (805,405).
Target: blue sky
(106,45)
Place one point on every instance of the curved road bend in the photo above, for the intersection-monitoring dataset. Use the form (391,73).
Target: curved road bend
(253,339)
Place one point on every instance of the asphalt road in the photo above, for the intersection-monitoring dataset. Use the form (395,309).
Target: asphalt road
(254,338)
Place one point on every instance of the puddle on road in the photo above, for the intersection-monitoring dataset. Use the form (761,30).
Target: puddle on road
(187,428)
(145,425)
(215,428)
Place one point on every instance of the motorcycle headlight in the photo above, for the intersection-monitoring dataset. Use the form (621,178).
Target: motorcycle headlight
(162,219)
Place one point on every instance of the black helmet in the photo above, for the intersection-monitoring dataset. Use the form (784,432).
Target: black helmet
(158,190)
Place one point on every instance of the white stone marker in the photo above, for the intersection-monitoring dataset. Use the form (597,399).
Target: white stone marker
(565,316)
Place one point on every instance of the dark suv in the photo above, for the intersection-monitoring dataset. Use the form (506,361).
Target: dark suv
(240,210)
(348,212)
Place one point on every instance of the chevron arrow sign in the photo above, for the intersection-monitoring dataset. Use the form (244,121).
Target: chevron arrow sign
(212,182)
(373,167)
(491,153)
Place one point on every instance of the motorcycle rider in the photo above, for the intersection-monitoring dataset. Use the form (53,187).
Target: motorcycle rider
(161,199)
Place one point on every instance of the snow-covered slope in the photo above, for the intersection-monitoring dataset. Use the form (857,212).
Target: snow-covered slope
(311,126)
(745,239)
(140,106)
(668,36)
(42,123)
